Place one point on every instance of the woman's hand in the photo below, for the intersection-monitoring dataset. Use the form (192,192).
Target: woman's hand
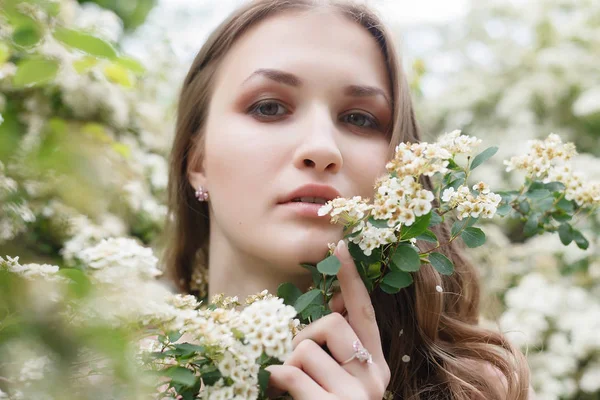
(310,373)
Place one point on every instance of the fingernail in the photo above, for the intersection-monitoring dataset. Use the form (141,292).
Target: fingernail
(342,248)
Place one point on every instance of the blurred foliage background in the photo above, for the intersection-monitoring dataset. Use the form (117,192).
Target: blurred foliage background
(85,130)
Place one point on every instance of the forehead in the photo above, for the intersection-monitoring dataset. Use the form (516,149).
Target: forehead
(318,45)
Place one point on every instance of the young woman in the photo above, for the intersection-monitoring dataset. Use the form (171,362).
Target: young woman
(306,100)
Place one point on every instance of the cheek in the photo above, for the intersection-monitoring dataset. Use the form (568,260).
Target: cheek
(365,165)
(239,160)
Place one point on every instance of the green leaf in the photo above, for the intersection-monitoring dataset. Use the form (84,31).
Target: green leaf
(131,64)
(397,279)
(483,156)
(306,299)
(524,207)
(80,285)
(35,72)
(263,379)
(503,210)
(565,233)
(555,186)
(374,271)
(85,42)
(561,216)
(428,236)
(174,336)
(459,225)
(181,375)
(538,194)
(378,223)
(289,293)
(580,240)
(406,258)
(473,237)
(419,226)
(532,225)
(441,263)
(316,275)
(27,35)
(566,205)
(435,219)
(5,52)
(329,266)
(453,165)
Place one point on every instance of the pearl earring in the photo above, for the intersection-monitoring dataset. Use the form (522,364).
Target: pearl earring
(201,194)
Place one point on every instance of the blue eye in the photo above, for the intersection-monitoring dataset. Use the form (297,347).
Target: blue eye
(267,108)
(361,120)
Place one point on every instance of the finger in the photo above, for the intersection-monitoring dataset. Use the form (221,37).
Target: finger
(321,367)
(336,333)
(336,304)
(296,382)
(361,314)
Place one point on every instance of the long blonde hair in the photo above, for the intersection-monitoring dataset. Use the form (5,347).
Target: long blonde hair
(450,355)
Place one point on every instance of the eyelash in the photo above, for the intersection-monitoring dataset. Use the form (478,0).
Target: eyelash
(253,110)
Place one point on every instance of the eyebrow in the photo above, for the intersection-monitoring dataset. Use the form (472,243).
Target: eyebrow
(289,79)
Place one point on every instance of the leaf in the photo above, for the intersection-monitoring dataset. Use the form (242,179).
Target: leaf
(565,233)
(561,216)
(85,42)
(397,279)
(131,64)
(34,72)
(378,223)
(329,266)
(5,52)
(263,379)
(566,205)
(483,156)
(538,194)
(306,299)
(27,35)
(289,293)
(580,240)
(503,210)
(435,219)
(532,225)
(419,226)
(441,263)
(406,258)
(473,237)
(181,375)
(428,236)
(555,186)
(388,289)
(174,336)
(317,277)
(459,225)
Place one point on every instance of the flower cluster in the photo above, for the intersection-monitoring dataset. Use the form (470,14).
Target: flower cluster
(558,322)
(548,160)
(482,205)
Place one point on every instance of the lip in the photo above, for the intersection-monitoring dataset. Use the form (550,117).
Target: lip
(311,190)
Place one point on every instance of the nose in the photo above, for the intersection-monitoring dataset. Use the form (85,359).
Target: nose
(318,148)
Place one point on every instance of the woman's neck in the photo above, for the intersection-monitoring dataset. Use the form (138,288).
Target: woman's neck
(234,273)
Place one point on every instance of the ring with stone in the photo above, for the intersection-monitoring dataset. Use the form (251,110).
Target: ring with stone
(360,353)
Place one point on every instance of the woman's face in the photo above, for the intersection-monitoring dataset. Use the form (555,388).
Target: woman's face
(300,99)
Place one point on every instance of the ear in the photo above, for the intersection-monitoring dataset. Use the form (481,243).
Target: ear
(195,169)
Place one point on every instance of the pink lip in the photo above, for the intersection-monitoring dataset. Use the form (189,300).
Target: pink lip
(310,190)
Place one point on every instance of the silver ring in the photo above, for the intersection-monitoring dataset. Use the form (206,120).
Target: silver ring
(360,353)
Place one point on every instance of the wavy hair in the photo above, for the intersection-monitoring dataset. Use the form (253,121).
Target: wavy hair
(450,355)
